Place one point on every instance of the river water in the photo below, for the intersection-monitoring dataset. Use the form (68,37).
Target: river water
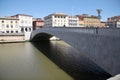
(22,61)
(46,60)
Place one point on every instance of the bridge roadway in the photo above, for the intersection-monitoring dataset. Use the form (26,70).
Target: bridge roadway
(100,45)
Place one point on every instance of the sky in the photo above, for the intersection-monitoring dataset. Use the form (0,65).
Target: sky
(42,8)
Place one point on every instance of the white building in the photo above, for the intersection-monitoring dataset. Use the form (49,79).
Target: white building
(118,24)
(25,22)
(113,22)
(9,25)
(73,21)
(56,20)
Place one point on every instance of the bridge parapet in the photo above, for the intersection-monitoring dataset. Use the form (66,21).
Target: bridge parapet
(96,31)
(70,29)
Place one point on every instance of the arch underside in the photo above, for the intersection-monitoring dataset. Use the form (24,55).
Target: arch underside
(41,36)
(101,49)
(70,39)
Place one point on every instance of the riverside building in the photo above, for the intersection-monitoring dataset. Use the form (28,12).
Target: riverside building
(38,23)
(61,20)
(9,25)
(56,20)
(89,21)
(25,22)
(73,21)
(113,22)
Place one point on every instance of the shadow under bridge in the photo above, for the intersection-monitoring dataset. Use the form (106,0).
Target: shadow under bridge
(102,46)
(95,45)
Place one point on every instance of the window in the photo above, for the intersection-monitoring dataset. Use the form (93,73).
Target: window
(11,31)
(22,29)
(7,26)
(26,29)
(2,21)
(3,25)
(16,31)
(30,29)
(7,31)
(11,26)
(11,21)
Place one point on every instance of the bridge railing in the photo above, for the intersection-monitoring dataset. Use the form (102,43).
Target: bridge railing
(70,29)
(96,31)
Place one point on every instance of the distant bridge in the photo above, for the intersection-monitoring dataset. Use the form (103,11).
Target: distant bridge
(100,45)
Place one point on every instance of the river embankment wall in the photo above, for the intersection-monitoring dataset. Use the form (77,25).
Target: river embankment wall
(11,38)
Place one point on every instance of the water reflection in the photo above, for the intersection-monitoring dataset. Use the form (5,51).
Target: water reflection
(71,61)
(22,61)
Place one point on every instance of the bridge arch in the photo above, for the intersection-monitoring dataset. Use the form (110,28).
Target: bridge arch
(100,45)
(68,35)
(42,36)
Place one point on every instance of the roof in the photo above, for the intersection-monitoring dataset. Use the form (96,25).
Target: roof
(9,18)
(23,15)
(95,17)
(57,14)
(60,14)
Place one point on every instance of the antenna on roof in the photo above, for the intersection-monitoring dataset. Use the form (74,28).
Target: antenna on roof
(99,12)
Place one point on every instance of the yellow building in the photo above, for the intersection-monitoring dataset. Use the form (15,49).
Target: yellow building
(92,21)
(9,25)
(81,23)
(81,20)
(88,21)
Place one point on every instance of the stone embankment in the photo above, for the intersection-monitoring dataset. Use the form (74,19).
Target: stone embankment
(13,38)
(13,41)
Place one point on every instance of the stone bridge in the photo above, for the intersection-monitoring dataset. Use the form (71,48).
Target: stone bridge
(102,46)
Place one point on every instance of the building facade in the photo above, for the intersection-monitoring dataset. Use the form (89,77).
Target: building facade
(38,23)
(80,20)
(113,22)
(91,22)
(88,21)
(56,20)
(9,25)
(25,22)
(73,21)
(118,24)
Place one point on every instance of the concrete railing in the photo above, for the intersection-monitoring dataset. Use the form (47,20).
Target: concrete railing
(97,31)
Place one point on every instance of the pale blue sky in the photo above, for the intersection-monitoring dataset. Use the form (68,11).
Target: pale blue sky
(42,8)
